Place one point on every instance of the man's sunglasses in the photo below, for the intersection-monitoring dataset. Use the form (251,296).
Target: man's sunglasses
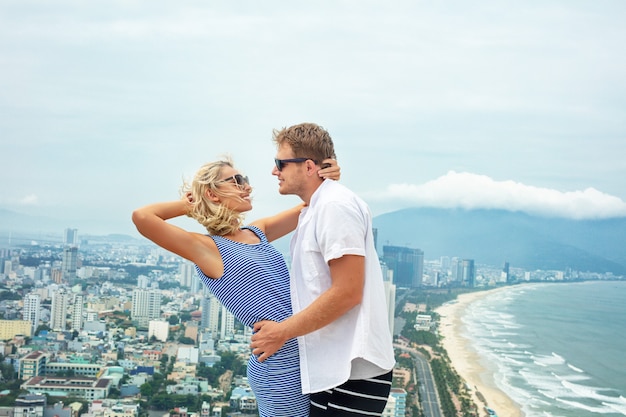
(280,163)
(240,180)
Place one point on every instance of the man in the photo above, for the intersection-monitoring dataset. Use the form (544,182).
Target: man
(340,311)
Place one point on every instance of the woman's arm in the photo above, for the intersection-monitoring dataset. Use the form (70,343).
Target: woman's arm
(330,169)
(280,224)
(151,222)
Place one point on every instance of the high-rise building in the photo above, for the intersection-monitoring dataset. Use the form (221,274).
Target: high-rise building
(205,310)
(160,329)
(469,273)
(146,306)
(445,263)
(7,267)
(186,271)
(375,234)
(457,271)
(70,237)
(69,264)
(58,313)
(77,312)
(56,275)
(210,319)
(196,284)
(390,293)
(227,327)
(437,278)
(31,311)
(506,274)
(387,273)
(4,257)
(407,265)
(42,274)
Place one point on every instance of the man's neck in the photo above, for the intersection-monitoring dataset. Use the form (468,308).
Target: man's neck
(309,193)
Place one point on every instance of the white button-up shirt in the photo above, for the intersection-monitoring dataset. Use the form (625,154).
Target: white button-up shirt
(358,344)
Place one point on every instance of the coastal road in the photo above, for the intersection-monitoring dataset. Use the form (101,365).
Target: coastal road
(426,384)
(426,387)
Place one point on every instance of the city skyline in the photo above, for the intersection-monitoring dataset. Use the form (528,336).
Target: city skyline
(510,105)
(115,344)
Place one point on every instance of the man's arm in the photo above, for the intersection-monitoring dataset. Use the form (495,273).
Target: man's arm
(346,291)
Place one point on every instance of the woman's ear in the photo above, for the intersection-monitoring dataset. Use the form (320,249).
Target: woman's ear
(211,196)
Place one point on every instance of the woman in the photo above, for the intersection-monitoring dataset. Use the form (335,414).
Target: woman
(242,269)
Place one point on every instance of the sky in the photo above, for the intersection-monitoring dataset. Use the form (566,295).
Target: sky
(108,106)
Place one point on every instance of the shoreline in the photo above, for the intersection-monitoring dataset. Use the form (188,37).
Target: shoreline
(466,361)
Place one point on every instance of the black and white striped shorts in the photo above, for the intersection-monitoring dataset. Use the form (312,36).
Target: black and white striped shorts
(354,398)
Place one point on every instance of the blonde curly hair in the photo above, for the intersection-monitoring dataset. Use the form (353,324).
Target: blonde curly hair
(216,218)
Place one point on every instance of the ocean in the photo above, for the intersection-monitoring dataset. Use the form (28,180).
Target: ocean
(557,349)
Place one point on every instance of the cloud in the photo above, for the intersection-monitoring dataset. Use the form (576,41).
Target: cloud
(472,191)
(29,200)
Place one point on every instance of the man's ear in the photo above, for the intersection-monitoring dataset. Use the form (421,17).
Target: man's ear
(311,168)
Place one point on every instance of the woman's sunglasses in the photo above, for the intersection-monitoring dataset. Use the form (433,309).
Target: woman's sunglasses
(240,180)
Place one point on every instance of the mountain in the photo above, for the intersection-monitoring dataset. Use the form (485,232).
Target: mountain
(489,237)
(10,220)
(496,236)
(20,228)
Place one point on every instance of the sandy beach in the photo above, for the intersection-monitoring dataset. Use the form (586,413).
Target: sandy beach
(467,362)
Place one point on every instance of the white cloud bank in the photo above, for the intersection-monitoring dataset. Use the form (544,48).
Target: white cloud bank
(473,191)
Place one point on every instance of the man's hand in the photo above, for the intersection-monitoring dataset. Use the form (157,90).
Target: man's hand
(268,338)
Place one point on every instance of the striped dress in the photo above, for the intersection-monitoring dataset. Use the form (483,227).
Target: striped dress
(254,287)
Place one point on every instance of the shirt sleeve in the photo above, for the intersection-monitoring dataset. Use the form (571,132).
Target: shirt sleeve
(341,229)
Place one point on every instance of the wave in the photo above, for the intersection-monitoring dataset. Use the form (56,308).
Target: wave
(558,357)
(573,368)
(537,368)
(616,407)
(547,394)
(544,382)
(550,360)
(572,377)
(513,361)
(585,391)
(581,406)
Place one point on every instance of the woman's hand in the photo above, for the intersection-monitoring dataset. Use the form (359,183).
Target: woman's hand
(330,169)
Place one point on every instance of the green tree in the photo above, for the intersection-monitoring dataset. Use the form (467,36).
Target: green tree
(186,340)
(146,390)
